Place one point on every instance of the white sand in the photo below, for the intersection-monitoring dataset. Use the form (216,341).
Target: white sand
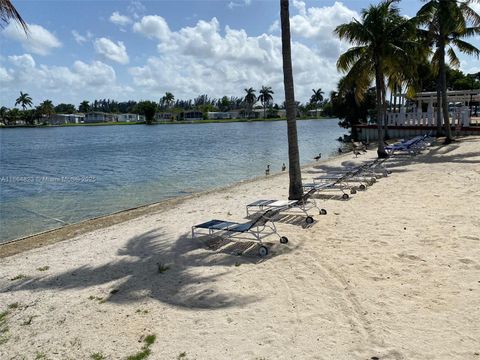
(393,273)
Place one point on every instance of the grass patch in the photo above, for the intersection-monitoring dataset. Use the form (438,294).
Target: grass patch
(3,327)
(162,268)
(40,356)
(14,305)
(43,268)
(145,352)
(182,355)
(18,277)
(97,356)
(140,311)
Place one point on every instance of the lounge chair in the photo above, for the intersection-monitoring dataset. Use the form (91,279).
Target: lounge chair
(256,229)
(305,204)
(412,146)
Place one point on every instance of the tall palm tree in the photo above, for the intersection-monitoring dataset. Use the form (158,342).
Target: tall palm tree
(250,99)
(448,22)
(295,190)
(384,45)
(8,12)
(265,97)
(24,100)
(316,98)
(167,99)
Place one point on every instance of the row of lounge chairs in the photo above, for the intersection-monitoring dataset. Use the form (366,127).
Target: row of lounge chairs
(263,213)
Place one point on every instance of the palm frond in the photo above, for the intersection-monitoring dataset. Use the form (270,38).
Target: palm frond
(8,12)
(466,47)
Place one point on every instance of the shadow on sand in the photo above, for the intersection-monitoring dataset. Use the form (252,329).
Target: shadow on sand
(136,275)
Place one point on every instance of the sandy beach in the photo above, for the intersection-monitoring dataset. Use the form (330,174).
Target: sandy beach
(392,273)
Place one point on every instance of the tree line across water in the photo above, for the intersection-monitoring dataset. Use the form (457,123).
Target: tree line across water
(166,104)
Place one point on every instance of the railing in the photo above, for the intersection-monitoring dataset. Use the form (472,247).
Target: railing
(459,117)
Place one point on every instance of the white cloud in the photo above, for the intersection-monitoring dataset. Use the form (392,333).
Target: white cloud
(317,24)
(153,26)
(81,39)
(59,83)
(5,75)
(119,19)
(109,50)
(38,41)
(203,59)
(234,4)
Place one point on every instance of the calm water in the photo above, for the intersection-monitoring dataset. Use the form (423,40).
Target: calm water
(50,177)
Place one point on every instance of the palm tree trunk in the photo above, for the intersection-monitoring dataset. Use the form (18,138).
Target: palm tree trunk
(443,83)
(380,110)
(295,190)
(439,108)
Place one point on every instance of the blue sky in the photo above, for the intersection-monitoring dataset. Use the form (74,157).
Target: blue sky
(85,50)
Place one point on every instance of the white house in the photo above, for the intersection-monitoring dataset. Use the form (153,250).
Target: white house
(130,118)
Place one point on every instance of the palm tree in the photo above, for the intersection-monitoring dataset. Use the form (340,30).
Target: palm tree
(383,45)
(316,98)
(295,190)
(167,99)
(265,97)
(447,24)
(46,108)
(84,106)
(24,100)
(3,115)
(7,12)
(250,99)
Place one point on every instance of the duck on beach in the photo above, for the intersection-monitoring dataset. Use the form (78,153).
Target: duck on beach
(318,157)
(267,171)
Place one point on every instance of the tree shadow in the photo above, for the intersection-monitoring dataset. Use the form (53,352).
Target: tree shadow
(141,272)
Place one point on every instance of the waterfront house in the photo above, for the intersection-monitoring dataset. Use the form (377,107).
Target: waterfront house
(59,119)
(165,116)
(98,117)
(191,115)
(130,118)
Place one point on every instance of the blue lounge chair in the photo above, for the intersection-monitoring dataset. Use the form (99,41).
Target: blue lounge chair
(305,204)
(256,229)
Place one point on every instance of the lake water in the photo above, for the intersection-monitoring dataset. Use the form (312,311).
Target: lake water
(50,177)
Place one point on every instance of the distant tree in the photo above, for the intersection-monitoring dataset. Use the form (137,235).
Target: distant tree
(316,98)
(46,108)
(3,115)
(250,99)
(24,100)
(167,100)
(147,108)
(295,190)
(84,106)
(265,98)
(65,109)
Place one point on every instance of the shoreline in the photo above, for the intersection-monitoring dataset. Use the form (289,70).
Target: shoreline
(184,122)
(63,233)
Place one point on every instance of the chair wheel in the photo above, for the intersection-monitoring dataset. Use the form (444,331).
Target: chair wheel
(309,220)
(283,240)
(345,196)
(263,251)
(362,187)
(353,190)
(323,212)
